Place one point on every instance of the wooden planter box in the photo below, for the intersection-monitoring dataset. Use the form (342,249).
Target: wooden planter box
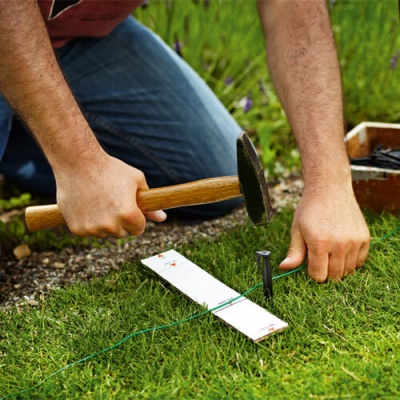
(376,189)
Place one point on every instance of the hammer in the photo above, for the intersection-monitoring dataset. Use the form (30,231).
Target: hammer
(250,183)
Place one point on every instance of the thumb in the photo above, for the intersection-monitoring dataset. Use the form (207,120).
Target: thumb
(156,216)
(296,253)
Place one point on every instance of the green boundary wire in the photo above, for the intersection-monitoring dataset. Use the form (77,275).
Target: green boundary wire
(137,333)
(172,324)
(377,240)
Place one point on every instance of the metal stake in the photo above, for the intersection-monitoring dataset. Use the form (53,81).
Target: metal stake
(266,272)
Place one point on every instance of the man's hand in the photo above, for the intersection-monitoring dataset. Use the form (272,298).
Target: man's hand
(329,229)
(102,200)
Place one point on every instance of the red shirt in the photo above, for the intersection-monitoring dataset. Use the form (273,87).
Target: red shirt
(69,19)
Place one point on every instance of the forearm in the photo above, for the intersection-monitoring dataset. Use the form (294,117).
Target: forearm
(328,228)
(31,81)
(303,66)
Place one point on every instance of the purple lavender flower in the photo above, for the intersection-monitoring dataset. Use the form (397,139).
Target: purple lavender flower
(248,104)
(394,59)
(228,81)
(178,48)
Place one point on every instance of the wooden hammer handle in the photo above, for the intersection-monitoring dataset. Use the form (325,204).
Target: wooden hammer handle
(187,194)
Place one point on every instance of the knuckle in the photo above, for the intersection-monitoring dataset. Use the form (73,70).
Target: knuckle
(110,229)
(134,230)
(343,246)
(138,228)
(139,231)
(118,233)
(92,231)
(134,222)
(77,230)
(320,247)
(320,251)
(131,215)
(141,179)
(113,229)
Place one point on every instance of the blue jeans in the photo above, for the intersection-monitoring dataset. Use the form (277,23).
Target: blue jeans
(145,105)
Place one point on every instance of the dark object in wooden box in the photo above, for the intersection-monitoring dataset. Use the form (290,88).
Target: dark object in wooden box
(376,189)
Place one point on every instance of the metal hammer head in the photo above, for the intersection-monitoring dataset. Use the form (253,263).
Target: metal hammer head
(252,182)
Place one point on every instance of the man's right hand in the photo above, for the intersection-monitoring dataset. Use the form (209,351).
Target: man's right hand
(329,231)
(101,200)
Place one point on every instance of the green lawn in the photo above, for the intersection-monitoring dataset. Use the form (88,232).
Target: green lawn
(343,339)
